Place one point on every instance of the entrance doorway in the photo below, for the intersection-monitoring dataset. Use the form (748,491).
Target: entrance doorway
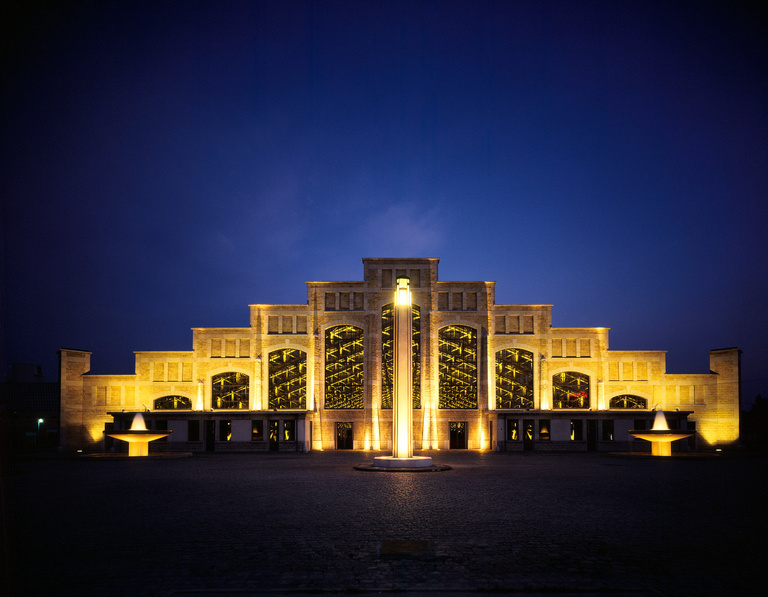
(458,435)
(528,434)
(274,436)
(344,437)
(591,435)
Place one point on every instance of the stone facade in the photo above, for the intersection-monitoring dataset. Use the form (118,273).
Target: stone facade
(570,393)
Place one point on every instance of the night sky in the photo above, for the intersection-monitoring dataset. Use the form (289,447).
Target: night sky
(166,164)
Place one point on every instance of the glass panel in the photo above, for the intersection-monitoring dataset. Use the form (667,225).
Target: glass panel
(570,390)
(289,430)
(225,431)
(230,390)
(193,431)
(257,430)
(388,355)
(577,430)
(627,401)
(458,367)
(344,375)
(173,403)
(287,379)
(544,429)
(514,378)
(512,430)
(608,430)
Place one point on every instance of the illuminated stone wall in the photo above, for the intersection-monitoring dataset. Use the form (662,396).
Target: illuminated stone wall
(570,367)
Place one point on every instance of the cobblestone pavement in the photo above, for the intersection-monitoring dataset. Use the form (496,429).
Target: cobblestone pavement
(250,524)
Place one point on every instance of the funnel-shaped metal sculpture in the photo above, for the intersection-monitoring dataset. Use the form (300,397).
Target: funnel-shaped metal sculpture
(660,436)
(138,436)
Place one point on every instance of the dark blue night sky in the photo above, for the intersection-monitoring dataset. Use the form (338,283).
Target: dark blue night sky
(165,164)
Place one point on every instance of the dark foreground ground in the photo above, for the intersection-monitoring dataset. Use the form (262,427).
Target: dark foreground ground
(252,524)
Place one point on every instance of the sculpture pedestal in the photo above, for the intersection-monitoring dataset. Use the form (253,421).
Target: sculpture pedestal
(394,463)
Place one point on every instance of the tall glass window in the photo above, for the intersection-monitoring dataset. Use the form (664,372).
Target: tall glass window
(514,378)
(344,372)
(570,390)
(287,379)
(627,401)
(458,366)
(230,391)
(388,355)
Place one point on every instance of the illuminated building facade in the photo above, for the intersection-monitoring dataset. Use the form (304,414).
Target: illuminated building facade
(319,376)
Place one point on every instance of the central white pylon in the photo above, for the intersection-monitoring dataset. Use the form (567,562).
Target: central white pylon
(402,404)
(402,407)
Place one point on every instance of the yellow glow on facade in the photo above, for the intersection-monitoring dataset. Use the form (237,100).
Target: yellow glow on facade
(199,405)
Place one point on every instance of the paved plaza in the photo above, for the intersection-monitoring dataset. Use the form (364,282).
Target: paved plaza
(291,524)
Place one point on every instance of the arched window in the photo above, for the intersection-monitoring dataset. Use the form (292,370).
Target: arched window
(628,401)
(173,403)
(230,391)
(570,390)
(514,378)
(288,379)
(388,355)
(457,346)
(344,373)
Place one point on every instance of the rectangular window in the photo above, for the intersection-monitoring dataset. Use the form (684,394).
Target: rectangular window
(577,430)
(514,324)
(343,301)
(642,371)
(544,430)
(613,371)
(229,347)
(216,347)
(287,324)
(527,324)
(557,347)
(456,303)
(225,431)
(608,430)
(273,324)
(193,431)
(257,430)
(500,324)
(301,324)
(415,275)
(358,301)
(245,348)
(442,301)
(471,301)
(584,348)
(570,347)
(173,372)
(626,373)
(158,372)
(289,431)
(386,278)
(330,301)
(513,430)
